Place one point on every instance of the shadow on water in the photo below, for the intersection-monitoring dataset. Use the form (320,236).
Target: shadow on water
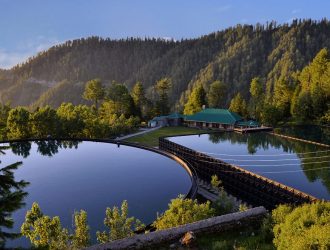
(312,170)
(12,196)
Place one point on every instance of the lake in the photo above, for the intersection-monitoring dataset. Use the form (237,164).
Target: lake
(68,176)
(314,133)
(303,166)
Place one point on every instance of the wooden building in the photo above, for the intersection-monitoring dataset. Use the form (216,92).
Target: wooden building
(217,119)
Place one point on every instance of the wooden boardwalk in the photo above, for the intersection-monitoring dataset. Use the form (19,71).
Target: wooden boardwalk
(250,130)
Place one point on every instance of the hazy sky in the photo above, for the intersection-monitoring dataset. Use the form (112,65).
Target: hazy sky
(30,26)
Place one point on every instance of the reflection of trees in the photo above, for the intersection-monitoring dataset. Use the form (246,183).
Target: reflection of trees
(21,148)
(50,148)
(46,148)
(308,132)
(312,171)
(11,199)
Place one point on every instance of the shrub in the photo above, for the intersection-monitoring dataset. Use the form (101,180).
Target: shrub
(120,226)
(182,211)
(304,227)
(47,233)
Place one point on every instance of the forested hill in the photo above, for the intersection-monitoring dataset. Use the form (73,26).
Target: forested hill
(234,56)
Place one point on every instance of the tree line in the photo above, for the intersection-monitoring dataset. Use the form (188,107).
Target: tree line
(303,96)
(233,56)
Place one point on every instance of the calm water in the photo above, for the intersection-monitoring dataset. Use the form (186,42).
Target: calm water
(308,132)
(286,161)
(92,176)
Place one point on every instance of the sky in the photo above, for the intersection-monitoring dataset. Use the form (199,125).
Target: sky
(30,26)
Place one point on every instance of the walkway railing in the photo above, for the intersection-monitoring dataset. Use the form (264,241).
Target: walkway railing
(248,186)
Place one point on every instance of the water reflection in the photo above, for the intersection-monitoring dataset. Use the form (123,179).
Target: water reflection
(316,166)
(45,148)
(66,176)
(297,164)
(12,196)
(308,132)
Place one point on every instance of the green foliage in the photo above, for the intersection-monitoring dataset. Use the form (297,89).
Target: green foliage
(196,100)
(282,96)
(44,121)
(18,123)
(303,227)
(312,98)
(81,237)
(46,232)
(11,199)
(270,115)
(94,91)
(216,96)
(139,98)
(242,207)
(118,223)
(163,87)
(70,120)
(182,211)
(120,100)
(224,204)
(238,105)
(215,182)
(257,96)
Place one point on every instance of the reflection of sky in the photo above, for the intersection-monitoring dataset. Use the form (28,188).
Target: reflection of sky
(264,161)
(96,176)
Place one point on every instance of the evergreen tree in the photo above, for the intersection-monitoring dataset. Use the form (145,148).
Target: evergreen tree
(44,122)
(119,224)
(195,101)
(12,195)
(238,105)
(94,91)
(18,123)
(120,99)
(257,95)
(139,98)
(216,96)
(163,87)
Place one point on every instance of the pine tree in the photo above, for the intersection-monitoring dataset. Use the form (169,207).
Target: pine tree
(195,101)
(216,96)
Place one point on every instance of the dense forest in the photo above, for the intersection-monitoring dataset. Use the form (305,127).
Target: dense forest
(274,59)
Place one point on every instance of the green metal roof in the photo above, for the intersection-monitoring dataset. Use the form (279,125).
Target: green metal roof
(223,116)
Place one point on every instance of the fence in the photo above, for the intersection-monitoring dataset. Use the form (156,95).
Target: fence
(244,184)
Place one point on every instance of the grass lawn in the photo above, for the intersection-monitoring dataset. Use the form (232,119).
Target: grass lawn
(151,138)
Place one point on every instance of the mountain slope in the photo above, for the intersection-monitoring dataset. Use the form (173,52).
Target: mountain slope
(233,56)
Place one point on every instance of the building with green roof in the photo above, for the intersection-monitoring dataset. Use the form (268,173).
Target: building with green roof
(215,119)
(174,119)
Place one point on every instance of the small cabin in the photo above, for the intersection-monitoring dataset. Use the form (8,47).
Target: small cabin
(174,119)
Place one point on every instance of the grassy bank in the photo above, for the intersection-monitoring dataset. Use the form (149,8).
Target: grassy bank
(151,138)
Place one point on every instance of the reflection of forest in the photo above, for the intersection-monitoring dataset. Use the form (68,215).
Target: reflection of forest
(308,132)
(11,198)
(46,148)
(312,170)
(12,191)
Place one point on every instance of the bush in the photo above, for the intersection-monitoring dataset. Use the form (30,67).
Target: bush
(304,227)
(120,226)
(45,232)
(182,211)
